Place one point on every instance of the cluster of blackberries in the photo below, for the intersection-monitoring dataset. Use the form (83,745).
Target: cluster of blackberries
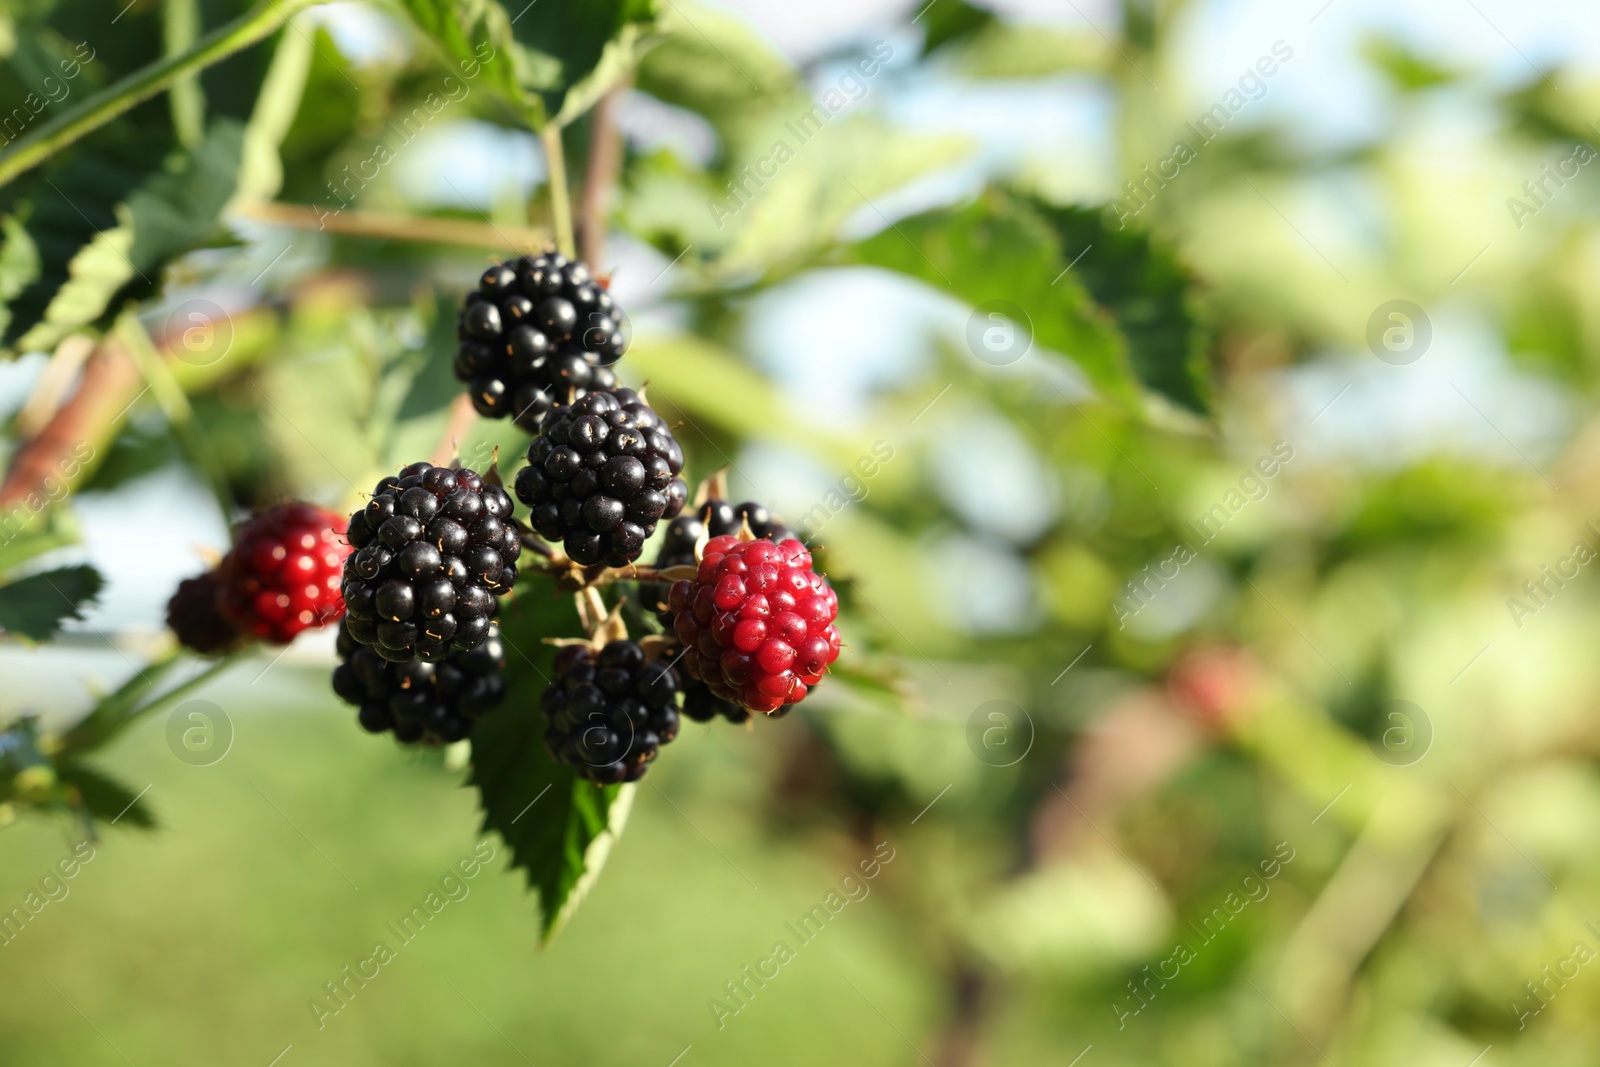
(600,476)
(610,712)
(537,333)
(419,701)
(434,547)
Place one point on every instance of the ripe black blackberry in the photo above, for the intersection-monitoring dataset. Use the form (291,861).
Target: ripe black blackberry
(434,547)
(600,476)
(702,705)
(684,532)
(195,617)
(429,702)
(537,333)
(610,712)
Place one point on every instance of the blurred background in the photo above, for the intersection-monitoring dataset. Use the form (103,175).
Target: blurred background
(1218,605)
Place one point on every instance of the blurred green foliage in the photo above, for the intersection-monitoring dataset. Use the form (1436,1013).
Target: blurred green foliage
(1171,750)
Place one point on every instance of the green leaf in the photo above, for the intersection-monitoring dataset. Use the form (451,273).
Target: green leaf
(559,827)
(107,220)
(550,62)
(947,21)
(102,797)
(1152,297)
(26,534)
(1407,70)
(475,37)
(35,607)
(999,249)
(574,52)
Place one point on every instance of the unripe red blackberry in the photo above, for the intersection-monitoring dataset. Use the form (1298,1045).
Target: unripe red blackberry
(537,333)
(714,518)
(282,574)
(611,711)
(600,477)
(756,622)
(195,617)
(434,548)
(429,702)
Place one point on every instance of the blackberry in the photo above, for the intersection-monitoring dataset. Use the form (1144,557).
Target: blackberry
(610,712)
(282,574)
(537,333)
(429,702)
(600,476)
(702,705)
(683,533)
(196,619)
(756,622)
(434,547)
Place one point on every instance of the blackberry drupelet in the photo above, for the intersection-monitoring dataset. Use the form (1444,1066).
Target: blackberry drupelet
(600,477)
(537,333)
(610,712)
(282,574)
(756,622)
(195,617)
(429,702)
(434,547)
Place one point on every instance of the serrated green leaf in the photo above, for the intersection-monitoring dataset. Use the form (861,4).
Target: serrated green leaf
(19,265)
(1150,294)
(574,52)
(999,249)
(475,37)
(35,607)
(559,827)
(158,209)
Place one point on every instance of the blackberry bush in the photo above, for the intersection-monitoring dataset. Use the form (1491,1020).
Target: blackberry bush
(601,476)
(434,548)
(756,622)
(435,703)
(610,712)
(535,335)
(282,574)
(195,617)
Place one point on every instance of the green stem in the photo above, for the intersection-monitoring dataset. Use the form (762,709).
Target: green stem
(87,735)
(35,147)
(560,203)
